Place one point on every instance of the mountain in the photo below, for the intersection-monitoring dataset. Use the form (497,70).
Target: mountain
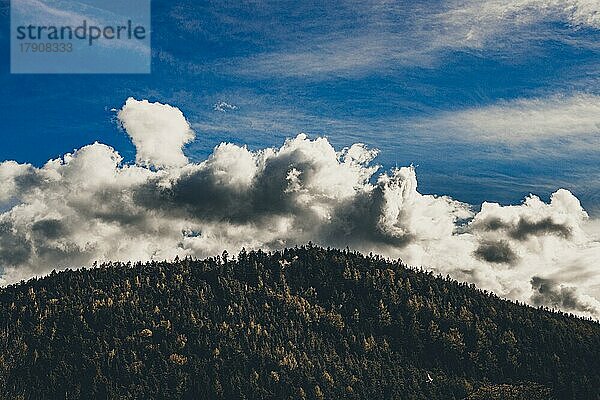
(305,322)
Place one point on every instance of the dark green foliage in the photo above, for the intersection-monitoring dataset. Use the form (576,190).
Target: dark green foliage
(302,323)
(529,391)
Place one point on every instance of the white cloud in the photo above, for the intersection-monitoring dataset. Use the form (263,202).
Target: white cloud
(222,106)
(44,13)
(474,23)
(523,120)
(334,54)
(396,35)
(88,206)
(158,132)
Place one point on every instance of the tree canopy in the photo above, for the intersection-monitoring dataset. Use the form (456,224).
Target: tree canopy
(305,322)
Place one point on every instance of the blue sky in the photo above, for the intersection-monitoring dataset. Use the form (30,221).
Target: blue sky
(490,100)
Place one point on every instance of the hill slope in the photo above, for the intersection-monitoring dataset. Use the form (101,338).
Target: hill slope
(302,323)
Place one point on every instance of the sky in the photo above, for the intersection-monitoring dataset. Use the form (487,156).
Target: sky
(487,101)
(491,102)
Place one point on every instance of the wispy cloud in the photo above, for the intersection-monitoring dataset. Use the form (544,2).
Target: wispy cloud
(223,106)
(475,23)
(335,53)
(397,35)
(73,13)
(41,11)
(523,120)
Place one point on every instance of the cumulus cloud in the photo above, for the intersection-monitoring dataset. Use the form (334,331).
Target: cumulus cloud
(548,292)
(496,252)
(158,132)
(89,206)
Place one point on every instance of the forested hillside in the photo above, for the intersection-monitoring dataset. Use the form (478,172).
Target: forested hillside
(303,323)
